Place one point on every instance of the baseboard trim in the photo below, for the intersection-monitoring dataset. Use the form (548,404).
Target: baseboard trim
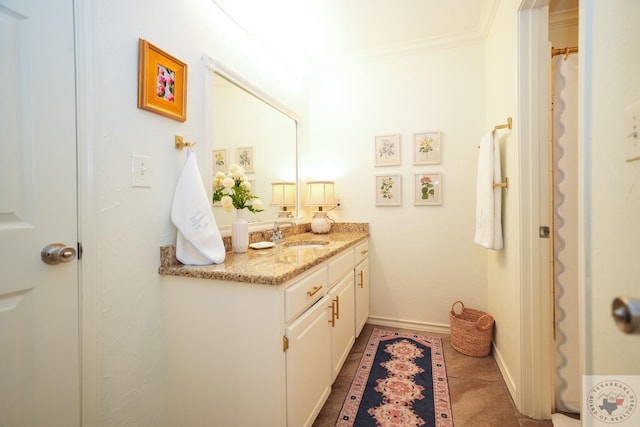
(504,370)
(438,328)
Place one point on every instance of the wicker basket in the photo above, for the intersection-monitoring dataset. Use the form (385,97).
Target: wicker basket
(471,331)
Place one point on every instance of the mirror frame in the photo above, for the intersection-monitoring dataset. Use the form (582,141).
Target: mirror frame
(215,66)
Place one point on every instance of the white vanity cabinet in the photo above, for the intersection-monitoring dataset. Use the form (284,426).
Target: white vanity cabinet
(361,276)
(341,310)
(246,354)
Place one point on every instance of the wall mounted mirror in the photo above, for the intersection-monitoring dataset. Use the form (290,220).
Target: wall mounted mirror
(250,130)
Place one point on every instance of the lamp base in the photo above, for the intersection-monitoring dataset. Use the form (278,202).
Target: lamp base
(320,223)
(285,214)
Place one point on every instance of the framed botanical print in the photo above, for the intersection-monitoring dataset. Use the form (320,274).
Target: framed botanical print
(245,158)
(387,150)
(427,189)
(426,148)
(388,190)
(220,160)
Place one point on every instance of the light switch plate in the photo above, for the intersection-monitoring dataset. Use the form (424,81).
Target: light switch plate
(141,168)
(632,132)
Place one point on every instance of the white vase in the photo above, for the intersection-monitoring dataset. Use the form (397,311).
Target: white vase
(240,233)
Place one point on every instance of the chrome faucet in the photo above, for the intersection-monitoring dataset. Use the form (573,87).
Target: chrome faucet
(276,234)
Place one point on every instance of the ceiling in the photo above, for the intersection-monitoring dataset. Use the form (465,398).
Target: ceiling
(357,27)
(351,28)
(337,30)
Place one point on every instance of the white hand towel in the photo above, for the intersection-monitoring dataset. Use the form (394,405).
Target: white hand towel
(489,199)
(198,241)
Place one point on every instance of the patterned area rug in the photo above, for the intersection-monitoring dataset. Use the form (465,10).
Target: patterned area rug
(401,381)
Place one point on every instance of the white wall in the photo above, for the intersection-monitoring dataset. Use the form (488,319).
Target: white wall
(504,266)
(132,223)
(422,257)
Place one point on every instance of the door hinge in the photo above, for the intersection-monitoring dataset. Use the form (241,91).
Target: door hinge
(285,343)
(544,232)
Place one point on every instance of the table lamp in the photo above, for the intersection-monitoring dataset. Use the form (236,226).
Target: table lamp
(320,193)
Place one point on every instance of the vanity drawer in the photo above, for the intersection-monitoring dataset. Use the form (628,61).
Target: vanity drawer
(304,293)
(361,251)
(340,266)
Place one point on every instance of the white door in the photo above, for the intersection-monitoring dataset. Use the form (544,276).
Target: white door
(39,307)
(611,217)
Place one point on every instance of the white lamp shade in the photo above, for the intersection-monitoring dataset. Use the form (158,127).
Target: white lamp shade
(320,193)
(283,194)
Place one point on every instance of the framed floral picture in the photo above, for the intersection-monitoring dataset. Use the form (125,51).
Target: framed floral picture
(387,150)
(427,189)
(245,158)
(426,148)
(220,160)
(162,82)
(388,190)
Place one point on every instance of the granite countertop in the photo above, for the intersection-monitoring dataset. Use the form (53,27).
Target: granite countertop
(271,266)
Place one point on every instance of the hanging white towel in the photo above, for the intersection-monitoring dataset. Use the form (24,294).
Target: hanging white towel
(489,199)
(199,241)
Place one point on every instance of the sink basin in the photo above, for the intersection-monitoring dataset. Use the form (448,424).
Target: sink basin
(304,244)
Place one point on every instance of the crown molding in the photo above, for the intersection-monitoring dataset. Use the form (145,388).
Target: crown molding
(487,16)
(448,41)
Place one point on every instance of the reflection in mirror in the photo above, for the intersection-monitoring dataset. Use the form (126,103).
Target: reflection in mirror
(283,194)
(254,134)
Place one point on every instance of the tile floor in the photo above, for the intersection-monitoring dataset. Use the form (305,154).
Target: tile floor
(479,395)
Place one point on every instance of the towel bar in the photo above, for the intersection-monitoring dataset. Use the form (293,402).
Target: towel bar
(507,125)
(504,184)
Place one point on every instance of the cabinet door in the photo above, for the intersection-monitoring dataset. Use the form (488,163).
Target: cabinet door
(362,295)
(308,365)
(342,319)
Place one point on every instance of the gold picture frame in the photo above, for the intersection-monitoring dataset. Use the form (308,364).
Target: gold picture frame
(162,82)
